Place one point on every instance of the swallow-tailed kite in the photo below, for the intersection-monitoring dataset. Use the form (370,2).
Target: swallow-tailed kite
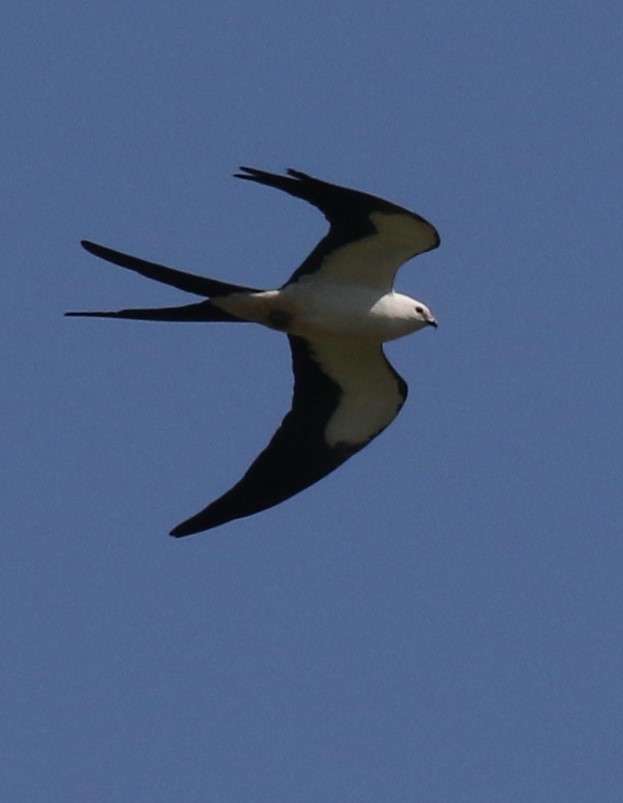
(337,310)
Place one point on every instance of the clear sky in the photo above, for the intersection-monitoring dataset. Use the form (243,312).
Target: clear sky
(441,620)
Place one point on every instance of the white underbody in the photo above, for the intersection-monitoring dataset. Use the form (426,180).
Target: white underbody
(312,310)
(345,311)
(344,326)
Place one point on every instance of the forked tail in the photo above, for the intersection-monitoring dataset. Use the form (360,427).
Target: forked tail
(199,285)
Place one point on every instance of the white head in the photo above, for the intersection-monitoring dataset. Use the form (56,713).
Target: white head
(422,314)
(401,315)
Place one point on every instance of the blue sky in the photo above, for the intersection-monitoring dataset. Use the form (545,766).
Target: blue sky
(441,619)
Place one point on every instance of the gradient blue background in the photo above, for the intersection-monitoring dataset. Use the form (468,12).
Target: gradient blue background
(440,620)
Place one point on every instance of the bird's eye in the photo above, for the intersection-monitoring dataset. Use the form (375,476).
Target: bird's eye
(420,310)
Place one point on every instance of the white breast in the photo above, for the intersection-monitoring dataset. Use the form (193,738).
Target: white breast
(349,311)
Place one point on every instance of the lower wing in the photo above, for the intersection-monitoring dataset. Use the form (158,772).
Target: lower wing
(345,394)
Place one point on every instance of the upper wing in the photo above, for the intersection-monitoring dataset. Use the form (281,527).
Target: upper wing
(345,394)
(369,238)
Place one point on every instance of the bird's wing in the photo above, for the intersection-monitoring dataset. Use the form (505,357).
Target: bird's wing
(369,238)
(345,394)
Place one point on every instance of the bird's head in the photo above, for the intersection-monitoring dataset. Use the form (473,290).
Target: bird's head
(423,314)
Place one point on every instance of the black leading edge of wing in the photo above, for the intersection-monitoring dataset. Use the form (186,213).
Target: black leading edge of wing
(348,212)
(296,457)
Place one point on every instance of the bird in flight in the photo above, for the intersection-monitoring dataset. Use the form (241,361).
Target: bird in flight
(337,309)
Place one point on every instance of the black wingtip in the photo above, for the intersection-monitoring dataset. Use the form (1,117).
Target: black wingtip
(98,250)
(254,173)
(182,530)
(205,520)
(246,172)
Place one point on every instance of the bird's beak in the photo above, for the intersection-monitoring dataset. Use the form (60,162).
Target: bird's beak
(432,322)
